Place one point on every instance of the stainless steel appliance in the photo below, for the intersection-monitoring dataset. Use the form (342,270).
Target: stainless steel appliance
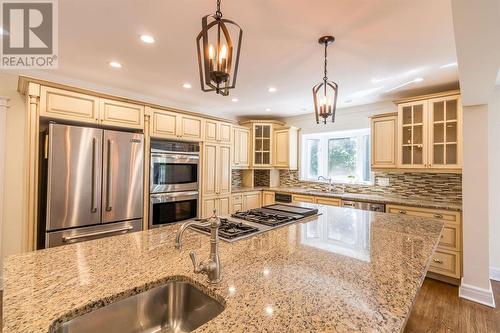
(283,197)
(374,207)
(169,208)
(174,182)
(94,183)
(174,166)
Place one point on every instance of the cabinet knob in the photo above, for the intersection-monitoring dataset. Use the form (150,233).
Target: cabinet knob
(438,261)
(402,212)
(438,216)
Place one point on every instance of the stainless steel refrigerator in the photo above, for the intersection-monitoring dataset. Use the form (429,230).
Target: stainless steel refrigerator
(94,183)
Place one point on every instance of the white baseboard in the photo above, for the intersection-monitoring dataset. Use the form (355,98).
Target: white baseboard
(475,294)
(495,273)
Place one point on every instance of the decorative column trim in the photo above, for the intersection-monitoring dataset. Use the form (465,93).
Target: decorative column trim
(3,120)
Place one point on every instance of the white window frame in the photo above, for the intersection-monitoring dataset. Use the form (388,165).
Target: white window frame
(323,149)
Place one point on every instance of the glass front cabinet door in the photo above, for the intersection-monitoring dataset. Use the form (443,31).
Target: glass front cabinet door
(413,134)
(445,144)
(262,136)
(430,133)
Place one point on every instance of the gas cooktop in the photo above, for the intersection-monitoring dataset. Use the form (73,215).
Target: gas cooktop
(229,229)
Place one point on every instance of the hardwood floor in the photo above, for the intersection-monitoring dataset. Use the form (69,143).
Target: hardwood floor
(439,309)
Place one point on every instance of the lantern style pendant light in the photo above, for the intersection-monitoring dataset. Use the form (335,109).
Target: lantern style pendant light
(325,93)
(218,57)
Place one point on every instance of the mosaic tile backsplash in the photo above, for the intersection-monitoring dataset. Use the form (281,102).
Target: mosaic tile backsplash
(443,187)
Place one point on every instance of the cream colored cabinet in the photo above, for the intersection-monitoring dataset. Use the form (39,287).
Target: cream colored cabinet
(328,201)
(216,179)
(241,147)
(67,105)
(217,131)
(262,143)
(447,260)
(445,132)
(251,200)
(286,148)
(267,198)
(168,124)
(221,205)
(302,198)
(384,140)
(237,202)
(430,133)
(116,113)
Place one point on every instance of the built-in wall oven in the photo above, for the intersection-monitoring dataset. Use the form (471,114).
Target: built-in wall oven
(174,182)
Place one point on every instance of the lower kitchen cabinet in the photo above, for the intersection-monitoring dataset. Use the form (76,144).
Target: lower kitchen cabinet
(328,201)
(302,198)
(221,205)
(267,198)
(251,200)
(447,260)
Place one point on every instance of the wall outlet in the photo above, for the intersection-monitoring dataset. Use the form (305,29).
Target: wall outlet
(383,181)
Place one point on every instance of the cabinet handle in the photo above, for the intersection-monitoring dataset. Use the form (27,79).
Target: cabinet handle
(438,261)
(402,212)
(438,216)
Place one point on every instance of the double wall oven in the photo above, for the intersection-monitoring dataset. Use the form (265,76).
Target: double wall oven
(174,179)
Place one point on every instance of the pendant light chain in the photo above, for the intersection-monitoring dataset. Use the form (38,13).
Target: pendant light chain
(218,13)
(325,78)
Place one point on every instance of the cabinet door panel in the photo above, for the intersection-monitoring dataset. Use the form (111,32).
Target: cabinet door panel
(208,207)
(62,104)
(190,127)
(224,133)
(210,171)
(267,198)
(116,113)
(224,169)
(384,142)
(224,206)
(281,149)
(210,130)
(251,200)
(163,124)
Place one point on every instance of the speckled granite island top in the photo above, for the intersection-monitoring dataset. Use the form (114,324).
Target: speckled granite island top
(346,270)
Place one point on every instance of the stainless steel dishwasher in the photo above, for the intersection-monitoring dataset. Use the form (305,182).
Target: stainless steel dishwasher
(374,207)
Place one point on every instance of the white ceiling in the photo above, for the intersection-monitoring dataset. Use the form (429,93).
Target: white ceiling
(391,40)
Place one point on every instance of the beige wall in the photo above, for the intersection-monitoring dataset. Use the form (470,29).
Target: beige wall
(475,197)
(14,226)
(494,170)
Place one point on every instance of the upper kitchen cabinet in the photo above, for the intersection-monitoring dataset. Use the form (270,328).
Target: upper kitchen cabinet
(286,148)
(430,132)
(241,146)
(413,134)
(445,132)
(217,131)
(262,133)
(68,105)
(168,124)
(122,114)
(216,179)
(383,137)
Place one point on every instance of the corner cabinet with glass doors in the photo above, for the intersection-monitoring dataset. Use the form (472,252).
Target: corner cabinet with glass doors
(430,133)
(262,133)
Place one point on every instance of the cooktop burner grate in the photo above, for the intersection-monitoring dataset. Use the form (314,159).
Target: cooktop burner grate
(230,229)
(258,216)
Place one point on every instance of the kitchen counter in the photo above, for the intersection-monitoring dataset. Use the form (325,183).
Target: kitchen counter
(248,189)
(376,198)
(346,270)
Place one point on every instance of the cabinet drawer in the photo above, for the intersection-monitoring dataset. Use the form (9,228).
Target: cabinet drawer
(451,237)
(302,198)
(444,215)
(116,113)
(446,263)
(328,201)
(237,197)
(237,207)
(68,105)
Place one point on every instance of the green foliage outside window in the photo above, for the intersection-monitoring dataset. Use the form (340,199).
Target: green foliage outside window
(341,157)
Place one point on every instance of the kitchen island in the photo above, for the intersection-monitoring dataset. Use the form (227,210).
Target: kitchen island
(345,270)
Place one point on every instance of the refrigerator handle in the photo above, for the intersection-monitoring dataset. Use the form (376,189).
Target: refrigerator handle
(109,183)
(93,207)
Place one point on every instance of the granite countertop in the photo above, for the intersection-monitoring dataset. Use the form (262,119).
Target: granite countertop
(376,198)
(248,189)
(346,270)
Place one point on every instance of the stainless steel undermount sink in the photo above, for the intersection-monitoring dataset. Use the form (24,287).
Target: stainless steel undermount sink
(177,306)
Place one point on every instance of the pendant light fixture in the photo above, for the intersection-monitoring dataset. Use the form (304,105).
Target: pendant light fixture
(325,93)
(218,57)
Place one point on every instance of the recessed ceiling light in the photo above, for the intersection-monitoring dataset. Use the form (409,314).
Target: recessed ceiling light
(268,109)
(235,100)
(187,85)
(115,64)
(272,89)
(148,39)
(452,64)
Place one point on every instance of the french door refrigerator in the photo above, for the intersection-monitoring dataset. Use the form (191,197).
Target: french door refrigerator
(94,184)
